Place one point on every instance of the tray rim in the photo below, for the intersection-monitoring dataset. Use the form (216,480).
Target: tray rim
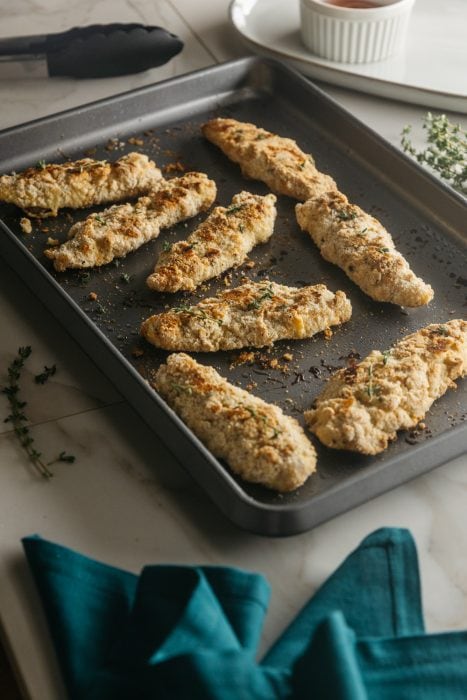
(246,511)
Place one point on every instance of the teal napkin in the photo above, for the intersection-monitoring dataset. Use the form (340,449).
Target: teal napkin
(177,632)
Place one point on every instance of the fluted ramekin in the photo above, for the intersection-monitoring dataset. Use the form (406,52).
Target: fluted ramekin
(351,35)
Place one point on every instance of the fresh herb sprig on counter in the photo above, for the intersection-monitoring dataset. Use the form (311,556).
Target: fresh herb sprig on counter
(46,374)
(446,152)
(18,418)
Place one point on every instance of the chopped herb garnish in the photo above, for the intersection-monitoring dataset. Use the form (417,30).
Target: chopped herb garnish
(181,387)
(41,164)
(192,310)
(255,414)
(261,136)
(124,277)
(363,231)
(252,411)
(84,278)
(233,209)
(372,389)
(267,293)
(302,165)
(346,215)
(18,418)
(442,330)
(45,375)
(63,457)
(386,354)
(384,250)
(166,246)
(99,219)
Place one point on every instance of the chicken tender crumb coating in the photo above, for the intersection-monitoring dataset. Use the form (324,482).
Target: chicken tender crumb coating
(123,228)
(255,314)
(361,246)
(43,190)
(362,407)
(222,241)
(275,160)
(257,440)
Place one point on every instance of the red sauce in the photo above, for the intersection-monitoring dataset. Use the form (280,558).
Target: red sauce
(354,4)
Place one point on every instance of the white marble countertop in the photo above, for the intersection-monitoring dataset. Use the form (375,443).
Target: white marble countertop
(126,501)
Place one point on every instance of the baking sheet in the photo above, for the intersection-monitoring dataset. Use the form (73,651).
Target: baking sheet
(425,218)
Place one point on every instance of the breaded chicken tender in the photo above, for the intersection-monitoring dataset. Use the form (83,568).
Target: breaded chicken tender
(219,243)
(275,160)
(123,228)
(360,245)
(362,407)
(255,314)
(43,190)
(257,440)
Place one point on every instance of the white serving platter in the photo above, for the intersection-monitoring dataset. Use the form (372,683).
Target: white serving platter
(431,71)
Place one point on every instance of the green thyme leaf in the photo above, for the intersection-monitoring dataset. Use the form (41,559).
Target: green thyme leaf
(166,246)
(45,375)
(346,215)
(182,387)
(234,209)
(17,417)
(267,293)
(446,152)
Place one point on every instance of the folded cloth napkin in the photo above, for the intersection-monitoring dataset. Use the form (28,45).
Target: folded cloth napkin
(179,632)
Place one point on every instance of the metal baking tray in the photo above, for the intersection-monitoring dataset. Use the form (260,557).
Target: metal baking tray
(426,219)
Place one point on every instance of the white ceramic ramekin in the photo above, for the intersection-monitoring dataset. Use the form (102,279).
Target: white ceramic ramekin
(355,35)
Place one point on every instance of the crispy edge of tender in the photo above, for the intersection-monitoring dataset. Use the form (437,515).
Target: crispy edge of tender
(412,291)
(338,402)
(212,386)
(177,329)
(175,270)
(262,145)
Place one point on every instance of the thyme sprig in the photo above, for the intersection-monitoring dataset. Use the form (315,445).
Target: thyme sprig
(18,418)
(446,152)
(275,431)
(371,389)
(343,215)
(267,293)
(194,311)
(233,209)
(186,309)
(46,374)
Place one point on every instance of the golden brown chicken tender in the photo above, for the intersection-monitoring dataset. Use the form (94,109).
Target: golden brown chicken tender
(361,408)
(255,314)
(258,441)
(43,190)
(360,245)
(275,160)
(123,228)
